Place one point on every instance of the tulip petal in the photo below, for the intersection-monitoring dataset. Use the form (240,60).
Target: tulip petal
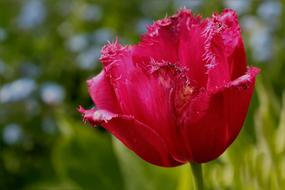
(218,69)
(137,136)
(232,38)
(213,121)
(181,94)
(225,54)
(214,55)
(155,40)
(191,48)
(180,38)
(146,93)
(111,51)
(237,96)
(102,93)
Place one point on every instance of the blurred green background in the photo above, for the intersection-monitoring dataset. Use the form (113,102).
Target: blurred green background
(49,48)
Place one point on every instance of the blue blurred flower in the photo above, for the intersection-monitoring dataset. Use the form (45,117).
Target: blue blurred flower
(12,134)
(92,13)
(260,38)
(249,23)
(77,42)
(142,24)
(32,14)
(17,90)
(269,11)
(241,6)
(52,93)
(262,45)
(88,58)
(102,35)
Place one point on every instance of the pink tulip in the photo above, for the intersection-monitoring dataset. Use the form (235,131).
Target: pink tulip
(181,94)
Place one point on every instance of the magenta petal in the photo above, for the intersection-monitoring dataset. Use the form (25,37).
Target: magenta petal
(191,48)
(146,94)
(181,94)
(111,51)
(178,40)
(234,48)
(213,121)
(214,56)
(102,93)
(155,40)
(235,111)
(218,69)
(225,54)
(137,136)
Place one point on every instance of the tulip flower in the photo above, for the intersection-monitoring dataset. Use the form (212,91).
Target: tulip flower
(181,94)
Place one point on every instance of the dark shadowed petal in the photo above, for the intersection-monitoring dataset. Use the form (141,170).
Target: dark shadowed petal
(137,136)
(102,93)
(213,121)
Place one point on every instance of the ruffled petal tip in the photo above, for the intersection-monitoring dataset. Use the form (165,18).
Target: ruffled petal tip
(133,134)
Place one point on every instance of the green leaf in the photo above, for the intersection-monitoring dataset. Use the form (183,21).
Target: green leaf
(86,157)
(140,175)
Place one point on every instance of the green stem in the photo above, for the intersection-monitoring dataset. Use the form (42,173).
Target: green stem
(198,176)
